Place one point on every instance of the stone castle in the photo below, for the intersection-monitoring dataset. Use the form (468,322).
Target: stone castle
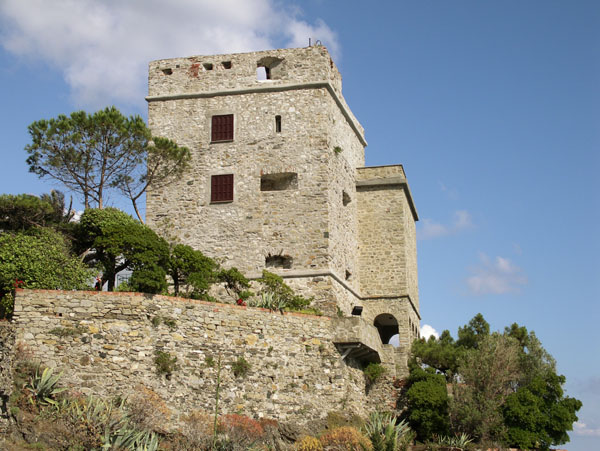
(278,182)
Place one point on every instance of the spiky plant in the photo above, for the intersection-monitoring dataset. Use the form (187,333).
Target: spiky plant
(383,431)
(42,387)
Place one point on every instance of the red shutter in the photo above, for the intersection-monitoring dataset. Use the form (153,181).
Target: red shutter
(222,128)
(221,188)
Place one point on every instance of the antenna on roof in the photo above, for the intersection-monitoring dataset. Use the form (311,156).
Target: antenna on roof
(309,43)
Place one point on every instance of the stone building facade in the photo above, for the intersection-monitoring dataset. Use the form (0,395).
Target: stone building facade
(278,182)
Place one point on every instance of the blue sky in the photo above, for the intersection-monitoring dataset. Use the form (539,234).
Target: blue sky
(493,108)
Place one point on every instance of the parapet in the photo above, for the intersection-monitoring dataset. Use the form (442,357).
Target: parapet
(207,73)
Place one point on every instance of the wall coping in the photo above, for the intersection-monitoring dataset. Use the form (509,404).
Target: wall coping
(392,181)
(171,299)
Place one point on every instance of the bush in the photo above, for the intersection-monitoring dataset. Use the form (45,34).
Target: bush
(40,258)
(282,295)
(385,434)
(373,372)
(308,443)
(345,438)
(192,272)
(241,432)
(240,367)
(165,363)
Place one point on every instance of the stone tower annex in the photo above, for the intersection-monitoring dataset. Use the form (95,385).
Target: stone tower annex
(278,181)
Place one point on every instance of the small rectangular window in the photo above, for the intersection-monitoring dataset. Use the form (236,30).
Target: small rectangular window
(277,124)
(279,181)
(221,188)
(222,128)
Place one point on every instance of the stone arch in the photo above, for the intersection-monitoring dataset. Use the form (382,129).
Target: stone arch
(387,326)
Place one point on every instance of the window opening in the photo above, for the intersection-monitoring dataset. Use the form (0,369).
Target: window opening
(168,71)
(277,124)
(387,326)
(279,182)
(208,66)
(261,73)
(221,188)
(346,198)
(348,275)
(226,64)
(278,261)
(222,128)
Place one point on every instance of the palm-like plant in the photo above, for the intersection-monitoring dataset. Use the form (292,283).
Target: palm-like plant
(43,386)
(383,431)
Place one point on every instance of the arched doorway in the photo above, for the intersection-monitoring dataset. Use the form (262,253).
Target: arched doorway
(387,326)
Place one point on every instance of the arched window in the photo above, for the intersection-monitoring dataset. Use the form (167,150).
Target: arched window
(387,326)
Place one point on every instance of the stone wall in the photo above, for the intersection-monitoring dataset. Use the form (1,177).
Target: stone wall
(7,340)
(106,343)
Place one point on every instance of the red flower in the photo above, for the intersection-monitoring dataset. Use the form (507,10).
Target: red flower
(241,302)
(19,283)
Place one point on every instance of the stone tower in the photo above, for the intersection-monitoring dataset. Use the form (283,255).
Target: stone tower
(278,182)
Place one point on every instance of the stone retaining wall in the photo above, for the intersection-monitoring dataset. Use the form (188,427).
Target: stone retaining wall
(106,343)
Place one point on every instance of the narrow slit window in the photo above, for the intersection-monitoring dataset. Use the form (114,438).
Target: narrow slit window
(222,128)
(278,124)
(346,198)
(262,73)
(221,188)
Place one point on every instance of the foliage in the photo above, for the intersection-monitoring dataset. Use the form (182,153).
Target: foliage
(43,387)
(240,367)
(441,354)
(505,387)
(165,363)
(91,153)
(373,372)
(385,433)
(427,403)
(240,431)
(488,374)
(460,441)
(66,331)
(115,241)
(308,443)
(23,211)
(235,282)
(345,438)
(40,258)
(336,419)
(470,335)
(192,272)
(283,296)
(538,415)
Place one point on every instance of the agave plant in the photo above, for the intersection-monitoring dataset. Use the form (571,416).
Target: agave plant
(383,431)
(43,386)
(458,441)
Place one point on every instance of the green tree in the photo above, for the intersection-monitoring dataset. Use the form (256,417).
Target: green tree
(91,153)
(114,241)
(275,286)
(23,211)
(191,271)
(441,354)
(488,374)
(538,414)
(39,258)
(426,400)
(470,335)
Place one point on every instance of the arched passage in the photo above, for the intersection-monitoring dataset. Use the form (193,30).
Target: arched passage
(387,326)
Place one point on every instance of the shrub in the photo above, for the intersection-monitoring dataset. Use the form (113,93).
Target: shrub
(373,372)
(165,363)
(148,411)
(240,431)
(240,367)
(283,296)
(42,387)
(308,443)
(385,434)
(345,438)
(197,430)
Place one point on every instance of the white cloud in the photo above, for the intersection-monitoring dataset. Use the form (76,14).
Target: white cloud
(429,229)
(427,331)
(103,48)
(581,428)
(496,276)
